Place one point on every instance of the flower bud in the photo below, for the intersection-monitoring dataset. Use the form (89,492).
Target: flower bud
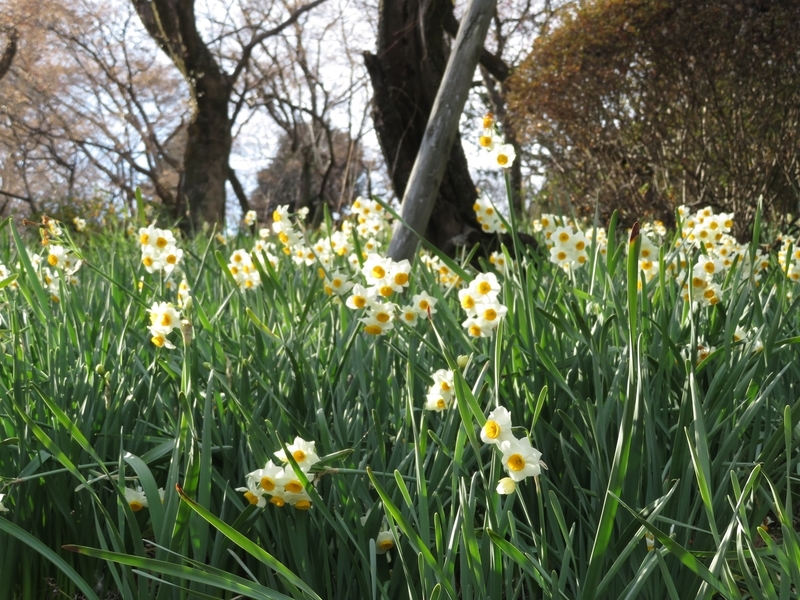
(462,361)
(100,370)
(506,486)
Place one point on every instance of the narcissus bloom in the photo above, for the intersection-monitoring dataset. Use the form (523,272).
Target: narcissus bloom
(384,542)
(254,495)
(163,319)
(2,506)
(502,156)
(136,499)
(267,478)
(497,428)
(520,459)
(303,452)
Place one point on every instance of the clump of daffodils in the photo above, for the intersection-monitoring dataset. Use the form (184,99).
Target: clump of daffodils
(371,216)
(498,153)
(712,232)
(163,319)
(520,459)
(422,305)
(279,485)
(446,277)
(486,214)
(159,250)
(384,278)
(441,394)
(499,261)
(243,270)
(568,247)
(62,266)
(479,300)
(790,262)
(250,218)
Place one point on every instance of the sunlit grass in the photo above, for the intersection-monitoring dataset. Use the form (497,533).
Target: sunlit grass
(641,435)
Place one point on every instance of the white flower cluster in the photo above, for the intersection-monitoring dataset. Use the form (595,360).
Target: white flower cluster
(281,484)
(243,270)
(384,278)
(163,319)
(702,278)
(570,251)
(568,247)
(62,266)
(713,232)
(790,263)
(520,459)
(80,224)
(486,214)
(499,154)
(479,300)
(499,261)
(250,218)
(159,250)
(372,218)
(446,277)
(441,394)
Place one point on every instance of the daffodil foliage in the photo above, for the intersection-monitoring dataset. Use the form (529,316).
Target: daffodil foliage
(278,412)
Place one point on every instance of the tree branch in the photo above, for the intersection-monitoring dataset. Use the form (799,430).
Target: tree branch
(238,190)
(247,51)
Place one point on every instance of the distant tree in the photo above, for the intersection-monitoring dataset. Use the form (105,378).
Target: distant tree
(212,68)
(321,120)
(312,167)
(87,108)
(647,104)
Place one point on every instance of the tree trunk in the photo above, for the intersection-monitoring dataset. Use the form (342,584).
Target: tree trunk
(205,163)
(172,24)
(405,75)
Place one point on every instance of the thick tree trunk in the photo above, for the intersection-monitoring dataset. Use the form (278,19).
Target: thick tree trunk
(405,74)
(205,161)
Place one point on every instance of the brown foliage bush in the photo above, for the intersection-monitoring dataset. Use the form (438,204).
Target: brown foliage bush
(643,105)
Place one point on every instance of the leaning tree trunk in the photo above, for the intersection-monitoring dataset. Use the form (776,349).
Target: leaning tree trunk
(405,74)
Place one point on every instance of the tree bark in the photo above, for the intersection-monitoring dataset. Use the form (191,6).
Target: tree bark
(9,52)
(406,72)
